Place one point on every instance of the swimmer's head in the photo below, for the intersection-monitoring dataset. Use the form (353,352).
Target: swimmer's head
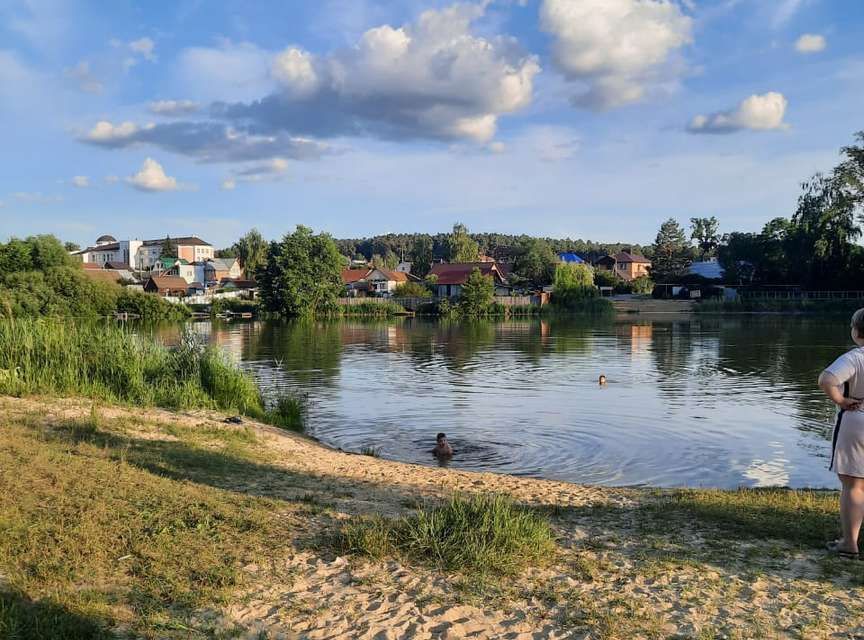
(441,437)
(602,379)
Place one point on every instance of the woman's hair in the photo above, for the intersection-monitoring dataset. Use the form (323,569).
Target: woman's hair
(858,322)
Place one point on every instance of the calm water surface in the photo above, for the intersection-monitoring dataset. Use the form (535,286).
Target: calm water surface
(715,402)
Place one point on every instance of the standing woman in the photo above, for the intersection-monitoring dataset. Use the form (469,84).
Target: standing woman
(843,382)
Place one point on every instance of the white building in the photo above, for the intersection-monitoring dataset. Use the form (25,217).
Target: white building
(140,255)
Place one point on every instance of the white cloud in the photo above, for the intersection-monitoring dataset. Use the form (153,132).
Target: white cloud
(152,177)
(107,134)
(619,50)
(433,78)
(810,43)
(143,47)
(294,70)
(173,107)
(84,78)
(272,170)
(758,113)
(36,197)
(82,182)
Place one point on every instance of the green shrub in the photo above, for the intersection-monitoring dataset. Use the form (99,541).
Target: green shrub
(412,290)
(483,533)
(379,308)
(287,413)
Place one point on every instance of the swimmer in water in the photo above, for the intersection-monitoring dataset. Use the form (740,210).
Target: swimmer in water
(602,380)
(442,447)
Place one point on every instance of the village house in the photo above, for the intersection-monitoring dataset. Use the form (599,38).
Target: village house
(141,255)
(450,277)
(376,281)
(167,286)
(215,270)
(625,265)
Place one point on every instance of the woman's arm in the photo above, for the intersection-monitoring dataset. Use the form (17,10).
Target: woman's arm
(831,386)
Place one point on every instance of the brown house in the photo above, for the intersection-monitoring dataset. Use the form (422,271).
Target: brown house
(167,285)
(625,265)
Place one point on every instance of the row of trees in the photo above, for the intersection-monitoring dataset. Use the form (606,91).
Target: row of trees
(816,248)
(38,277)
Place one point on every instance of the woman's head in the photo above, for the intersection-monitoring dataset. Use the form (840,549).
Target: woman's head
(858,327)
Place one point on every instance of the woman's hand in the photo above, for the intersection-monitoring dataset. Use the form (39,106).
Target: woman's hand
(849,404)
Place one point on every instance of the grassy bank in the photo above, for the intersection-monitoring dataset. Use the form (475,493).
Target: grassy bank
(371,309)
(121,522)
(112,364)
(778,306)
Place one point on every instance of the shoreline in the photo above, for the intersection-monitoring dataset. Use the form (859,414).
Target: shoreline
(629,562)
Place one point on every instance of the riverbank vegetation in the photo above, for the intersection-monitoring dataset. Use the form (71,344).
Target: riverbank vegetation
(371,309)
(39,278)
(155,525)
(485,533)
(111,364)
(792,305)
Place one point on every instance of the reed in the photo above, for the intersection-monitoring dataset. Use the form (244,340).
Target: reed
(377,308)
(112,364)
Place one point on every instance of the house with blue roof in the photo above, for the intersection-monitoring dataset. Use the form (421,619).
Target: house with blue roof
(568,257)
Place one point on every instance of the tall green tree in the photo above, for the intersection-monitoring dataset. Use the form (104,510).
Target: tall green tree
(71,246)
(302,274)
(169,249)
(535,263)
(421,256)
(477,294)
(251,251)
(461,247)
(704,231)
(672,253)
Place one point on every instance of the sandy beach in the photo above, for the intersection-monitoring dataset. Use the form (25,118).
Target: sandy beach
(625,565)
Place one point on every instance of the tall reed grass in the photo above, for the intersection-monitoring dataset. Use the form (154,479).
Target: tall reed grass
(113,364)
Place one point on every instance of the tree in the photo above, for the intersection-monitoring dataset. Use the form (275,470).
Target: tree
(460,246)
(421,256)
(169,249)
(251,251)
(411,289)
(388,261)
(477,294)
(671,253)
(535,262)
(302,274)
(573,276)
(71,246)
(704,232)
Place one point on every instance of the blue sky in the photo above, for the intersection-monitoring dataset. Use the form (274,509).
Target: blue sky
(593,119)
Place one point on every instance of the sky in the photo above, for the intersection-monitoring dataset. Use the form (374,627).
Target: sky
(592,119)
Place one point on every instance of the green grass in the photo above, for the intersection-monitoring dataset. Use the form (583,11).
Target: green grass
(801,517)
(484,533)
(744,305)
(93,539)
(112,364)
(375,308)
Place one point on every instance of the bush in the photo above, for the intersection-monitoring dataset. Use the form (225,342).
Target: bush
(642,285)
(487,534)
(411,290)
(477,296)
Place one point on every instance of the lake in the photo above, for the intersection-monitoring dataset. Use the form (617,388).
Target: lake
(701,401)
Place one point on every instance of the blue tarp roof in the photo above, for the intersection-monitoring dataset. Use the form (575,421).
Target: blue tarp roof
(569,256)
(708,269)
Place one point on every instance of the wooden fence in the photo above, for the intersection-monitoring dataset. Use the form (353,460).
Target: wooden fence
(801,295)
(412,304)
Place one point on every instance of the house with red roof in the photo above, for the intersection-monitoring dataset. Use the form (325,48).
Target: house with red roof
(376,281)
(449,277)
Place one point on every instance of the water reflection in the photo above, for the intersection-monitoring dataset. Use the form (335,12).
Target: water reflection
(701,402)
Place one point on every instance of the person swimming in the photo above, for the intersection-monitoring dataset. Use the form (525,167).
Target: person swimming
(442,447)
(602,380)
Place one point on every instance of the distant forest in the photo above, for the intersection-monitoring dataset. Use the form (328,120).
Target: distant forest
(502,247)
